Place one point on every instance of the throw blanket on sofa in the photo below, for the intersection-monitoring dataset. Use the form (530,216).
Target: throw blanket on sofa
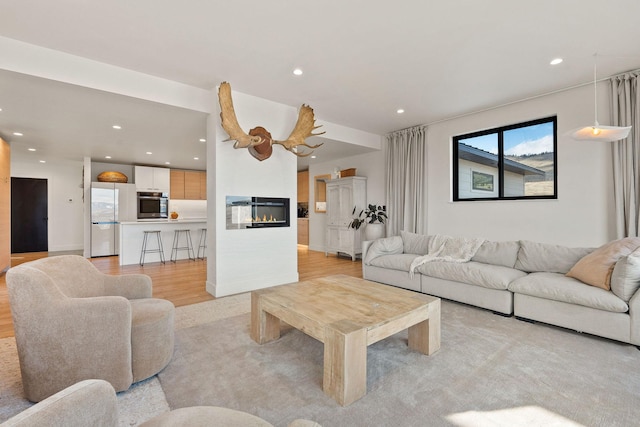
(447,248)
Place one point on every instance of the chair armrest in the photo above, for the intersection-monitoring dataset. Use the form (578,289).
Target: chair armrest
(303,423)
(130,286)
(86,403)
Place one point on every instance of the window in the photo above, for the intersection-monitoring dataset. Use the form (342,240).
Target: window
(507,163)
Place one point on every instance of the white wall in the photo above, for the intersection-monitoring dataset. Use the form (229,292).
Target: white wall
(370,165)
(581,216)
(249,259)
(65,199)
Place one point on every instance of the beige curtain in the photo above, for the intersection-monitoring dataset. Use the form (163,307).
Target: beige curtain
(626,154)
(406,175)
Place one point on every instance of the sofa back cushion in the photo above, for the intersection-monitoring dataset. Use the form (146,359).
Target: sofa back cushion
(415,243)
(387,246)
(498,253)
(541,257)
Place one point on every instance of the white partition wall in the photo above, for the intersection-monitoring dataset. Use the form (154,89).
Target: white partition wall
(246,259)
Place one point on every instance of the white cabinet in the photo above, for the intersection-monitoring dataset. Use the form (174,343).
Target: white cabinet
(152,179)
(342,196)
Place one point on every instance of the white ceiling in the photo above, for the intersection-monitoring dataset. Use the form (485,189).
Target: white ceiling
(362,60)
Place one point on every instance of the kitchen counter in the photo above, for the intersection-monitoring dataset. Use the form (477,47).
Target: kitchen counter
(164,221)
(132,234)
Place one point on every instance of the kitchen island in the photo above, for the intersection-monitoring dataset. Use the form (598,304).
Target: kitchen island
(132,234)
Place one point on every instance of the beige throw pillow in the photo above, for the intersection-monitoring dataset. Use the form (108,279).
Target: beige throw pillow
(596,268)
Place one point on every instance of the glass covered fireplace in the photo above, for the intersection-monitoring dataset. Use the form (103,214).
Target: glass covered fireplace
(256,212)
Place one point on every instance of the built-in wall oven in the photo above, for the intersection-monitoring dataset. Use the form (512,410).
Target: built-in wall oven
(152,205)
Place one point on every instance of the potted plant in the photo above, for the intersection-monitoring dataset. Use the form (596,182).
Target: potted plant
(374,216)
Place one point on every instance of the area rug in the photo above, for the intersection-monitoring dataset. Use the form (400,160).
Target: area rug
(491,370)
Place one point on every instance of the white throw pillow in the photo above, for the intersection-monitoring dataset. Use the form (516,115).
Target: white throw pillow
(625,279)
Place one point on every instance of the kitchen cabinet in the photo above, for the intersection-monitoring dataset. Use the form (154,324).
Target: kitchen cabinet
(342,196)
(177,184)
(303,231)
(192,185)
(188,185)
(203,186)
(303,187)
(152,179)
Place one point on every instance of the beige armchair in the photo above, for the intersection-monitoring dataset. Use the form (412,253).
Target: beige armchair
(73,322)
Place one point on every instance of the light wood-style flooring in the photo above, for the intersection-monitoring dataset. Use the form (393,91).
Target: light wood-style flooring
(183,282)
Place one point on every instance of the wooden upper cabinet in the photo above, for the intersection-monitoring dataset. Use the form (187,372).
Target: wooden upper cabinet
(188,185)
(303,187)
(203,186)
(192,185)
(177,184)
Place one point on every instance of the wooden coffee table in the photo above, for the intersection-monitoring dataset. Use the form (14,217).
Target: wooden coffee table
(347,314)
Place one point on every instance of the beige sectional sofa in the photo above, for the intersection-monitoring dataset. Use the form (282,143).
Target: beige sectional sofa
(535,281)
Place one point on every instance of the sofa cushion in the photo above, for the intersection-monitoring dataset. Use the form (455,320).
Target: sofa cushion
(400,262)
(595,268)
(544,257)
(558,287)
(498,253)
(625,279)
(474,273)
(386,246)
(415,243)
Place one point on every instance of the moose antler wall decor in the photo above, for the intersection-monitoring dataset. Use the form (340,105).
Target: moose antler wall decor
(258,140)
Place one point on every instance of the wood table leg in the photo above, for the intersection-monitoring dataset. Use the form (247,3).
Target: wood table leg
(425,336)
(265,327)
(345,362)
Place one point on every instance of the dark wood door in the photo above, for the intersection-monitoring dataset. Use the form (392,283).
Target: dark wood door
(29,222)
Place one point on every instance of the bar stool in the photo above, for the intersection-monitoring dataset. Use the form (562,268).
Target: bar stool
(176,245)
(203,243)
(158,250)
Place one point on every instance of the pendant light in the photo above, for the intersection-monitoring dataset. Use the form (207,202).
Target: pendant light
(598,132)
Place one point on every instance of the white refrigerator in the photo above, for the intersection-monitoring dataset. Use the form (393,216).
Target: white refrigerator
(111,203)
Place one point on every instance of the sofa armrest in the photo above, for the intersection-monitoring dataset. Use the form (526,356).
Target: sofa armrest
(130,286)
(634,314)
(86,403)
(366,244)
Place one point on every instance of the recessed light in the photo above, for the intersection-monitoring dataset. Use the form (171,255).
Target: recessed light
(17,134)
(203,140)
(399,111)
(313,157)
(107,157)
(149,152)
(297,72)
(31,149)
(0,109)
(196,158)
(556,61)
(117,127)
(43,161)
(167,163)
